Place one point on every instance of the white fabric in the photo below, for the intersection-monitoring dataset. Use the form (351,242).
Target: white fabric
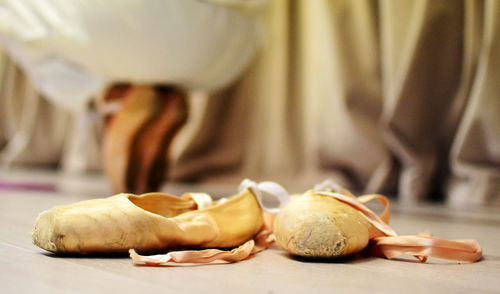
(266,189)
(72,49)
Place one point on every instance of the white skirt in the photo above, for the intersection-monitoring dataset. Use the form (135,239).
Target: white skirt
(72,50)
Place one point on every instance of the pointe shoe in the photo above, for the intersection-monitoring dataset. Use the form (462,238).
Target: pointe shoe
(137,137)
(148,223)
(149,162)
(314,225)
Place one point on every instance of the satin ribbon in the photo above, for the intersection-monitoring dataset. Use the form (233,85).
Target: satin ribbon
(390,245)
(384,240)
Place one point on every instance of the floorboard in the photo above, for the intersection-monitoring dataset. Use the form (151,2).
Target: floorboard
(27,268)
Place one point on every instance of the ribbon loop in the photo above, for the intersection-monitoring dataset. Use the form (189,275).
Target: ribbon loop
(266,189)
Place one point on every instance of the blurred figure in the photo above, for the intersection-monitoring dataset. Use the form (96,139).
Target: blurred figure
(74,50)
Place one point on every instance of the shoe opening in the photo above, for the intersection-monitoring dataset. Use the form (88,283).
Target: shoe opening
(163,204)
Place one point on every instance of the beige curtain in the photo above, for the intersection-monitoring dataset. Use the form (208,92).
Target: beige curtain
(400,97)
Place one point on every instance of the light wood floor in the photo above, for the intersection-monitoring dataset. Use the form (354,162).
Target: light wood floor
(26,268)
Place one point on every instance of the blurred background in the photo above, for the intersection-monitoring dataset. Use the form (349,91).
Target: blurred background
(388,96)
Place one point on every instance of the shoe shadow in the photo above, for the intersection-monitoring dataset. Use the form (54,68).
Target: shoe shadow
(82,256)
(353,258)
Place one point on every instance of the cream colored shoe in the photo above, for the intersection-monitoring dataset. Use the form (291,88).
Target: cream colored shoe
(314,225)
(147,223)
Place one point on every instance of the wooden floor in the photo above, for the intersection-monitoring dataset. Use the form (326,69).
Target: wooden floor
(28,269)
